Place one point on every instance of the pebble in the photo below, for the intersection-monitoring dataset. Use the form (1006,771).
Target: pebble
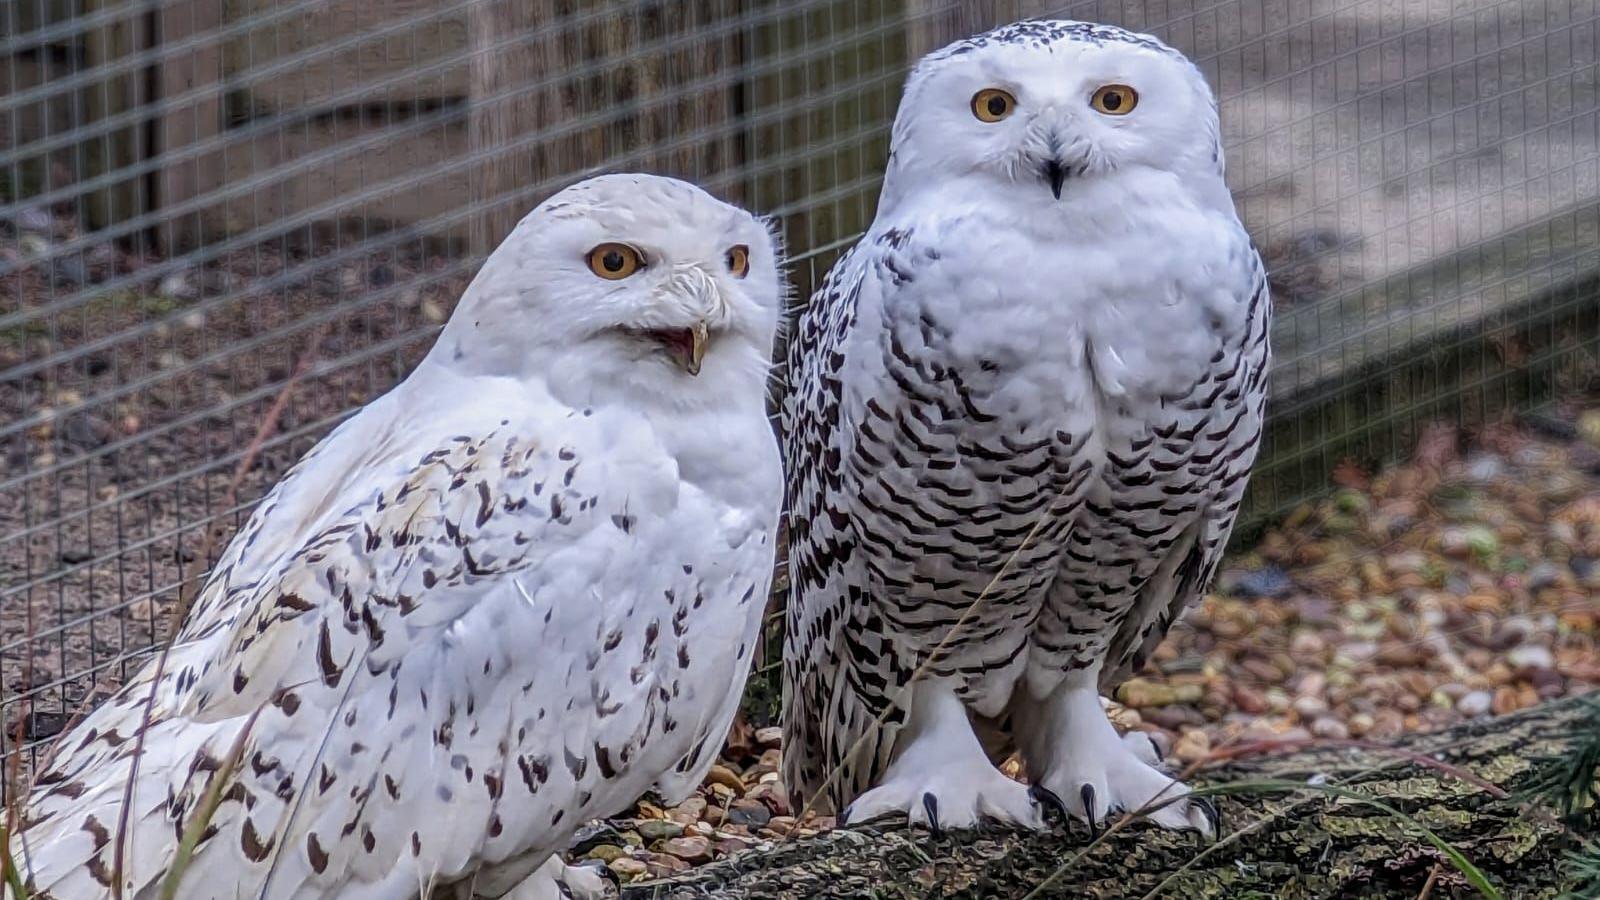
(725,776)
(689,849)
(1329,727)
(659,829)
(1531,656)
(628,869)
(1474,703)
(750,813)
(1192,746)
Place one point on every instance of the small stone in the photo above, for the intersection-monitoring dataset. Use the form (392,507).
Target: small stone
(1360,724)
(1308,708)
(772,795)
(688,812)
(721,774)
(1192,746)
(1474,703)
(1330,728)
(1248,700)
(1506,700)
(659,829)
(780,826)
(663,865)
(750,813)
(769,737)
(1142,693)
(628,869)
(1268,581)
(433,312)
(1529,657)
(689,849)
(606,852)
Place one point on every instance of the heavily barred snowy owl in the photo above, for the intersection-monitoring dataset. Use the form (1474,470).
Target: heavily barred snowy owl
(507,597)
(1023,411)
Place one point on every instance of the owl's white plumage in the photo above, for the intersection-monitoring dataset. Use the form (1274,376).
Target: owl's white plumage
(1022,411)
(507,597)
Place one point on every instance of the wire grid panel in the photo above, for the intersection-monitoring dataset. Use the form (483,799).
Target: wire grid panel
(207,201)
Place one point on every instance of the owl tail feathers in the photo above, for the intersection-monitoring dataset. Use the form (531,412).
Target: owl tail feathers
(835,751)
(73,820)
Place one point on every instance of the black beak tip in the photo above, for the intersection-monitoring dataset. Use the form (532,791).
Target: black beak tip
(1056,174)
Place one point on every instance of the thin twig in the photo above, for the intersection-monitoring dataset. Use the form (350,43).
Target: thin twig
(1427,886)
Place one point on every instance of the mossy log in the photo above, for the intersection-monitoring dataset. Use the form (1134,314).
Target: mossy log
(1477,787)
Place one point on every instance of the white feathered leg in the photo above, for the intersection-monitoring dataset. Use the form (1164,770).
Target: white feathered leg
(1072,752)
(555,880)
(942,778)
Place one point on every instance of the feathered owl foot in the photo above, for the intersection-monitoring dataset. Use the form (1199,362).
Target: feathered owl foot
(1081,767)
(556,880)
(942,779)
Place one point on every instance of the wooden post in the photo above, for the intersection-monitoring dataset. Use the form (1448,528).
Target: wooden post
(496,123)
(189,121)
(117,94)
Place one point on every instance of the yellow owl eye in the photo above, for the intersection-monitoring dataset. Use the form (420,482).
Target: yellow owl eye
(992,104)
(739,260)
(1115,100)
(615,262)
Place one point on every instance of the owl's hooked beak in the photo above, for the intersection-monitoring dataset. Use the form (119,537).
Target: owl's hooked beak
(699,336)
(1056,174)
(686,346)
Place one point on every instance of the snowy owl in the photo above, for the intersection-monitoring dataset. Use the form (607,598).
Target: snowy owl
(508,597)
(1022,412)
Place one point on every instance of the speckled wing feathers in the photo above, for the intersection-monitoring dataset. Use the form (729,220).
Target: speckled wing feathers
(449,675)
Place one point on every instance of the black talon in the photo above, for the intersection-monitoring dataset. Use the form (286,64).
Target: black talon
(1048,799)
(1086,793)
(1209,810)
(931,804)
(601,869)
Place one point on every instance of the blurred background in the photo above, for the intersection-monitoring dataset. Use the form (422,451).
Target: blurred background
(224,224)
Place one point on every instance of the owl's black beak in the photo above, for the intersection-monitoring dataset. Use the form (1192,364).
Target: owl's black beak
(1056,174)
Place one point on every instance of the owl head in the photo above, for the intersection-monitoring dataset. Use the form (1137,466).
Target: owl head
(1042,105)
(634,283)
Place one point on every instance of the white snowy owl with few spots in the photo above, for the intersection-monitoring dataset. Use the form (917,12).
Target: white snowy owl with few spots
(504,599)
(1022,412)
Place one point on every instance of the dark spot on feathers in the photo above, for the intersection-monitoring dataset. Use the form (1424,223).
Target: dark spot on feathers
(330,670)
(101,835)
(602,761)
(250,843)
(319,857)
(485,503)
(535,771)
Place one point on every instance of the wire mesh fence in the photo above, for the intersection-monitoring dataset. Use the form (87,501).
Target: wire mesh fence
(204,201)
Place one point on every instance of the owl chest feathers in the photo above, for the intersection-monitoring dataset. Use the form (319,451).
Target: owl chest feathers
(1024,393)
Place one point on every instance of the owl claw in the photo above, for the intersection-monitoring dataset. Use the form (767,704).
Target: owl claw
(1209,810)
(1049,800)
(1087,794)
(931,804)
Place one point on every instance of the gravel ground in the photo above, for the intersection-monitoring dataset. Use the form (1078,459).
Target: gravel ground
(1454,587)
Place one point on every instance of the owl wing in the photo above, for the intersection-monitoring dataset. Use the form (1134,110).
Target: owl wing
(1225,414)
(450,674)
(840,674)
